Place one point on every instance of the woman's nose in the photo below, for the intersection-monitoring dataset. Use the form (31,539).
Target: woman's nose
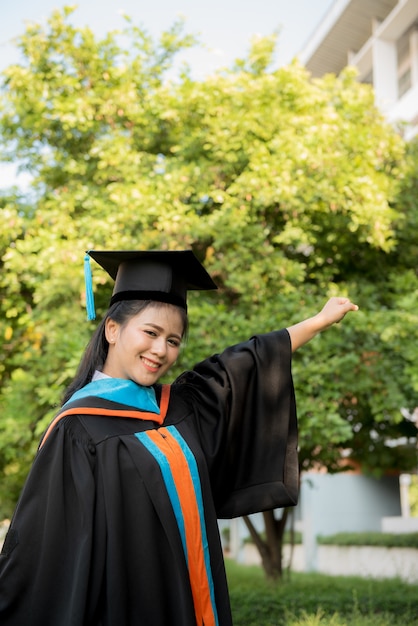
(159,346)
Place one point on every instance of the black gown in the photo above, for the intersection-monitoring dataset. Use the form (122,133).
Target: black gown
(117,522)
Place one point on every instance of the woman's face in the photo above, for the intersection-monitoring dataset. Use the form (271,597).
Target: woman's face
(146,346)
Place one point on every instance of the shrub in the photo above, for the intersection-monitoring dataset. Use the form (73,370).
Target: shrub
(388,540)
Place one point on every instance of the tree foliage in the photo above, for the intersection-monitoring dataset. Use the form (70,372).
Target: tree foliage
(289,189)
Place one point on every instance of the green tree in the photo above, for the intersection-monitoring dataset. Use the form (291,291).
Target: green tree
(289,189)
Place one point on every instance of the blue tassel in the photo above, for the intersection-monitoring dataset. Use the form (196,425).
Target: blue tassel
(91,313)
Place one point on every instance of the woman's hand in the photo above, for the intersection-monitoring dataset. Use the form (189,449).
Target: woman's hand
(333,312)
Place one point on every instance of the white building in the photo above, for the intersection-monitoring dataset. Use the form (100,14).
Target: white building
(379,38)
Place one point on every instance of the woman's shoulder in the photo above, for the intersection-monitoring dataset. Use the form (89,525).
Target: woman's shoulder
(67,424)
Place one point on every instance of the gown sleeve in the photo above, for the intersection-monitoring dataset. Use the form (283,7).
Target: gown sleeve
(245,410)
(49,552)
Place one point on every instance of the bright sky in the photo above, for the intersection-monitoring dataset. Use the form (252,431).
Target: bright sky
(225,27)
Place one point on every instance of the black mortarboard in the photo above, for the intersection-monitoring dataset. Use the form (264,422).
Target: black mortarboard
(165,276)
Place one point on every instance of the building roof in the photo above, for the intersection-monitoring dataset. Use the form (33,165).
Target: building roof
(345,28)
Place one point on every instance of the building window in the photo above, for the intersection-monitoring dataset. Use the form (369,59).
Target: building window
(404,83)
(404,63)
(368,79)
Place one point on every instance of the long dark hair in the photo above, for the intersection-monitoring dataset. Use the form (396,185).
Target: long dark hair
(95,354)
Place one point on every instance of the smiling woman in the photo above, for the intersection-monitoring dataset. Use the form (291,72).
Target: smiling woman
(119,512)
(146,346)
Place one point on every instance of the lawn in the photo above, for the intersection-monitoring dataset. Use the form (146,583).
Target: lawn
(316,599)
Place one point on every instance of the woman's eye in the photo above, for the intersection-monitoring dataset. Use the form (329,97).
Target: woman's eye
(174,342)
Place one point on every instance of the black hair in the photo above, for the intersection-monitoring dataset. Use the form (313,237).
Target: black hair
(95,354)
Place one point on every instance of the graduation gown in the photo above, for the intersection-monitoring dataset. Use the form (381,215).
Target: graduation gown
(117,522)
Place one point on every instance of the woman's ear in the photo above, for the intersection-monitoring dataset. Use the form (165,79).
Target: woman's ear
(111,330)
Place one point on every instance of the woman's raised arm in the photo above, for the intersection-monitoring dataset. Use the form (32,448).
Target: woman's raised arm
(333,311)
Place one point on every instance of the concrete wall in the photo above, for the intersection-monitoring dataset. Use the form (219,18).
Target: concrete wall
(364,561)
(329,504)
(336,503)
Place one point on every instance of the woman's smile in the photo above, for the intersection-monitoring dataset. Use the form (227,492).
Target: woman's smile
(152,365)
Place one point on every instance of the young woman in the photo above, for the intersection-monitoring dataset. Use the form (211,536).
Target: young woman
(117,522)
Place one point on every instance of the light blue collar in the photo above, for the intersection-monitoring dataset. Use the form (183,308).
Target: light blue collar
(121,391)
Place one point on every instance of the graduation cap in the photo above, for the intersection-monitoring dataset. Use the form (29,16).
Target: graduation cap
(164,276)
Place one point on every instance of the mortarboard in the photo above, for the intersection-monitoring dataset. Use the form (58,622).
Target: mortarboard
(165,276)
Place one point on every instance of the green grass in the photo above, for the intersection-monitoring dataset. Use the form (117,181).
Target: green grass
(316,599)
(386,540)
